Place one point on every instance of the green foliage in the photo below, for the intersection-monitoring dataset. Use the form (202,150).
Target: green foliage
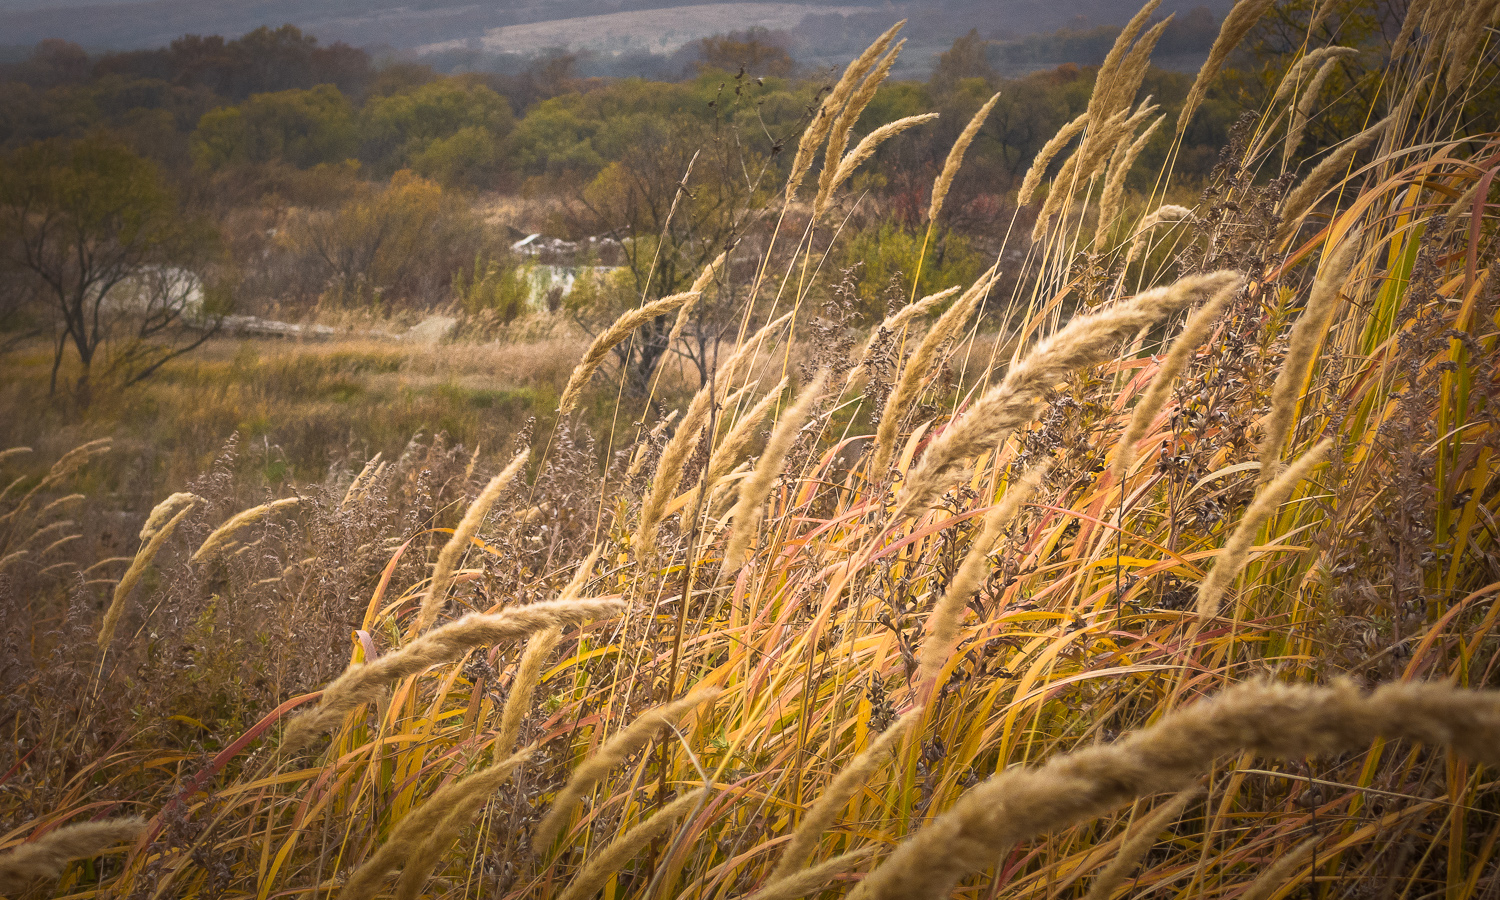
(493,287)
(299,127)
(890,254)
(450,130)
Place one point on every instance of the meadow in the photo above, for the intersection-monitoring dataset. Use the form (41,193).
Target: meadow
(1157,559)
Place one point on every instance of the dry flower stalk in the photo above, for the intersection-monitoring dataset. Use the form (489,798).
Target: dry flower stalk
(219,537)
(634,736)
(458,544)
(1237,549)
(956,158)
(48,855)
(407,847)
(755,489)
(606,862)
(1236,25)
(825,812)
(947,616)
(133,574)
(613,335)
(1301,352)
(1142,838)
(922,363)
(1265,718)
(1194,333)
(363,682)
(1084,341)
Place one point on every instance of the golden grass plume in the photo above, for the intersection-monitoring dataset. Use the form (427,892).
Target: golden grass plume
(46,856)
(831,802)
(1301,352)
(220,536)
(133,575)
(838,134)
(632,738)
(863,151)
(604,863)
(1084,341)
(1265,718)
(362,683)
(955,158)
(1142,838)
(755,489)
(922,363)
(608,339)
(1194,332)
(947,616)
(1237,549)
(1305,194)
(816,132)
(458,543)
(1241,18)
(406,847)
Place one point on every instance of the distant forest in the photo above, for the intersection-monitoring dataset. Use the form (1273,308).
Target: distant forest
(301,175)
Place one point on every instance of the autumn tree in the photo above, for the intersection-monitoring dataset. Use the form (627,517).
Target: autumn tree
(404,240)
(299,127)
(93,236)
(451,130)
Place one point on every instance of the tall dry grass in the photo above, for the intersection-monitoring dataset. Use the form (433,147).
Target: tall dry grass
(953,662)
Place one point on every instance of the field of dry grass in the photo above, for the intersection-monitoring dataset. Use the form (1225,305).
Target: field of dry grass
(1182,585)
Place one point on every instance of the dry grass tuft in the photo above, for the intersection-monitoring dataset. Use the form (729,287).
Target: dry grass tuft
(48,855)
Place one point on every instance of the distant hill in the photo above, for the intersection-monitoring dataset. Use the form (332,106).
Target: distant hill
(820,32)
